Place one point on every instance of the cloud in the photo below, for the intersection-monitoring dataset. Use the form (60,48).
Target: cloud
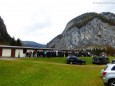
(42,20)
(39,21)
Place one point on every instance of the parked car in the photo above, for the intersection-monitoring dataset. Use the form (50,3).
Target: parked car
(100,60)
(108,75)
(113,61)
(74,60)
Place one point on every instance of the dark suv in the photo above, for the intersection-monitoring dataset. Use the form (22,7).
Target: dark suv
(74,60)
(113,61)
(100,60)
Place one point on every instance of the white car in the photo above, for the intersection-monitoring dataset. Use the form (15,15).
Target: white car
(108,75)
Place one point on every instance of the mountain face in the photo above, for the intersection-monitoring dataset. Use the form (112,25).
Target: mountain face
(32,44)
(4,36)
(86,31)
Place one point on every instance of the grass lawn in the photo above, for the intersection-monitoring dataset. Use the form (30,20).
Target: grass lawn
(48,72)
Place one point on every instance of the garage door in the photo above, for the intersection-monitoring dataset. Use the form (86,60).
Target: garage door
(6,52)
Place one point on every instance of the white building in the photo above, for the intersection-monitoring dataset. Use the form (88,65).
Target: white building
(12,51)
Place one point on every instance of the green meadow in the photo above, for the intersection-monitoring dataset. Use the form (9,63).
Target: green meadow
(49,72)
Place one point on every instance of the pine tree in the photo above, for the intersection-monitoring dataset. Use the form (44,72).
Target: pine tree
(13,42)
(19,43)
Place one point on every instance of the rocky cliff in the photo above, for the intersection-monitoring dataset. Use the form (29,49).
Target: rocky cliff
(4,36)
(86,31)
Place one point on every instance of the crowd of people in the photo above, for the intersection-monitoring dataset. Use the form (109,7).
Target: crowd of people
(56,53)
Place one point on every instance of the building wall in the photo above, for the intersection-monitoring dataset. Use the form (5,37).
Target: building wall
(12,51)
(30,50)
(21,53)
(6,52)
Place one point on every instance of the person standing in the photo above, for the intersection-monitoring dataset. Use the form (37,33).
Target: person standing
(18,54)
(45,53)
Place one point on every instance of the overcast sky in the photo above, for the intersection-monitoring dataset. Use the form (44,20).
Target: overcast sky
(42,20)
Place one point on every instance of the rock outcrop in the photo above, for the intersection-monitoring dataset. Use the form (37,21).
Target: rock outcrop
(87,31)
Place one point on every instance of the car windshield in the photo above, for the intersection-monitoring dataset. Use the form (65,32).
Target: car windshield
(74,56)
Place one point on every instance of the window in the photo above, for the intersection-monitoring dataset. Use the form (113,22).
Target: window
(24,50)
(113,68)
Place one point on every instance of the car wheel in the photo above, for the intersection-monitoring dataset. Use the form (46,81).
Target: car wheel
(84,63)
(71,62)
(111,82)
(81,63)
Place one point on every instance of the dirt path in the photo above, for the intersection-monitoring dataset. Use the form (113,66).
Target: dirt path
(8,58)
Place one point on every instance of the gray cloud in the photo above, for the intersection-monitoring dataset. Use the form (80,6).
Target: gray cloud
(38,17)
(36,26)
